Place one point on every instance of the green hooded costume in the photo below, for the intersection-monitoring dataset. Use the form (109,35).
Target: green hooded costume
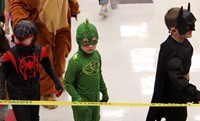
(83,78)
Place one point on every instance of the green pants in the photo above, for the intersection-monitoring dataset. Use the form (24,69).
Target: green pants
(86,113)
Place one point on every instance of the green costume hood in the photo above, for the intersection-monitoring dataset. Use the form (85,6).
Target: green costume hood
(86,34)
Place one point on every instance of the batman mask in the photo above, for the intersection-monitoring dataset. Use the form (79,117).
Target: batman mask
(185,21)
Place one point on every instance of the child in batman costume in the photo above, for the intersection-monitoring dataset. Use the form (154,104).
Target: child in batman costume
(21,70)
(83,78)
(172,77)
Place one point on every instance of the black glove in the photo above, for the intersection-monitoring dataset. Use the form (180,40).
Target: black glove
(75,16)
(105,97)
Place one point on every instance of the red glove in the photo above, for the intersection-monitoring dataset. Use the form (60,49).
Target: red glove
(2,105)
(58,92)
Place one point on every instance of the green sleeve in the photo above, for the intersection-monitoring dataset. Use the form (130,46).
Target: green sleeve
(103,87)
(70,79)
(102,83)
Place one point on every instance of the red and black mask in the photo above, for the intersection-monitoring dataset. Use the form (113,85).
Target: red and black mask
(25,35)
(185,21)
(26,42)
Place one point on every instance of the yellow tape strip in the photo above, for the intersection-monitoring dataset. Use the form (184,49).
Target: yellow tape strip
(65,103)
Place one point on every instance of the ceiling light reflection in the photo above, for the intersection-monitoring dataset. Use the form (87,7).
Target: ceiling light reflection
(139,30)
(114,114)
(197,118)
(147,84)
(143,59)
(195,63)
(69,98)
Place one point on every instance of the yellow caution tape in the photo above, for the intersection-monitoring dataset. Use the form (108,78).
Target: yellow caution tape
(65,103)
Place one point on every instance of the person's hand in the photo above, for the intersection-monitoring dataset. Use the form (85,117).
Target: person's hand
(58,93)
(79,99)
(75,16)
(105,97)
(59,89)
(74,8)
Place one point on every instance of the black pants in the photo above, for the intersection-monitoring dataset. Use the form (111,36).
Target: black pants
(25,112)
(175,113)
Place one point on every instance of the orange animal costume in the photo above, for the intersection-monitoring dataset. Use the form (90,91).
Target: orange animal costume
(53,20)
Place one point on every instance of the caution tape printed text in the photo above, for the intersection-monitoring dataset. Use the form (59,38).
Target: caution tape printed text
(65,103)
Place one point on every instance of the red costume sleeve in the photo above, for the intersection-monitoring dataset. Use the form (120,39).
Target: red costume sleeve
(44,53)
(9,56)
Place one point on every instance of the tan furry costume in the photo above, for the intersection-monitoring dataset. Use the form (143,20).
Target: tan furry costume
(52,18)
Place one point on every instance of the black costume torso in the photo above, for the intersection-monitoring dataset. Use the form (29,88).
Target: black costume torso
(171,85)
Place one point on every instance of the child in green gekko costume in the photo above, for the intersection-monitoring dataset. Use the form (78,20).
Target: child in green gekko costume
(83,77)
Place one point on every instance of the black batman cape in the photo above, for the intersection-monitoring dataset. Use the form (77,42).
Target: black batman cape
(168,49)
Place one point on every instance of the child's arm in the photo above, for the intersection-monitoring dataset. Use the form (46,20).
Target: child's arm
(2,79)
(45,62)
(70,76)
(103,87)
(103,90)
(175,70)
(2,83)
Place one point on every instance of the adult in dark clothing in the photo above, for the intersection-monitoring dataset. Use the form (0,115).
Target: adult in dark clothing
(172,77)
(21,70)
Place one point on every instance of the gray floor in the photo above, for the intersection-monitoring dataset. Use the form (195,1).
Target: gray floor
(129,42)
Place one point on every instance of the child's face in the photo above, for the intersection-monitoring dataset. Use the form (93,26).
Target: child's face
(177,35)
(186,35)
(88,48)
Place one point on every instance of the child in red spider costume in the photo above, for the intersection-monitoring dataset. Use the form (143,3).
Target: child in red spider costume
(21,69)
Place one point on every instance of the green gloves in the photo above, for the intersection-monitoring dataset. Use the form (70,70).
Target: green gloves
(78,99)
(105,97)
